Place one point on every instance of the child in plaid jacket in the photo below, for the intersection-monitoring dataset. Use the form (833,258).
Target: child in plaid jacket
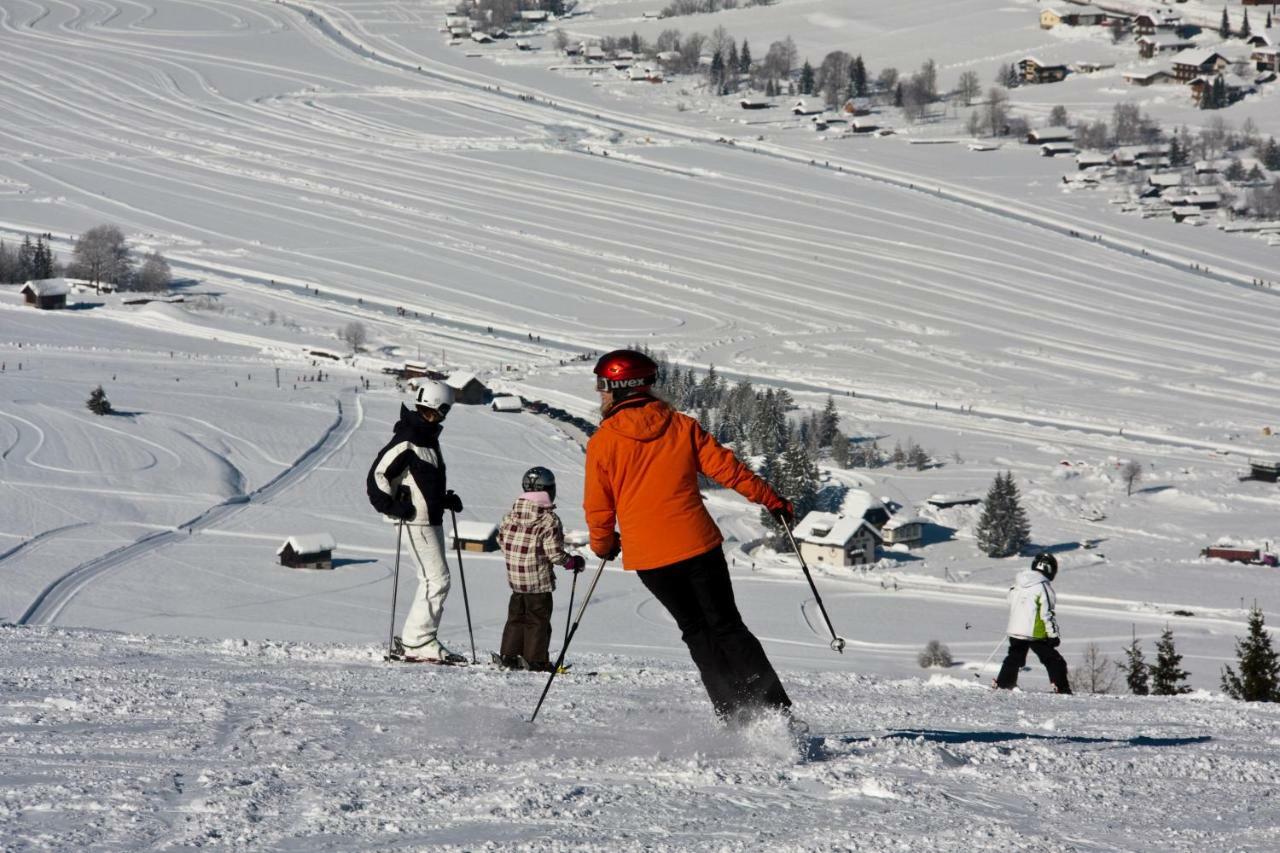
(532,541)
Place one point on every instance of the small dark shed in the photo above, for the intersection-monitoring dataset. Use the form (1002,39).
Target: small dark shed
(310,551)
(468,390)
(47,293)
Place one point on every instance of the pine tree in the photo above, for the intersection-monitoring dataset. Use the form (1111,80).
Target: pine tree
(1167,676)
(1259,676)
(1245,31)
(26,260)
(1177,156)
(858,76)
(1271,154)
(717,71)
(829,423)
(98,402)
(1224,28)
(1003,529)
(1137,672)
(744,58)
(806,79)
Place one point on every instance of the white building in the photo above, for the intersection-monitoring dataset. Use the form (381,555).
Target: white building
(829,539)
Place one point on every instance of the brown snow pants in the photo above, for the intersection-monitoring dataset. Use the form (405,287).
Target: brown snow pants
(528,629)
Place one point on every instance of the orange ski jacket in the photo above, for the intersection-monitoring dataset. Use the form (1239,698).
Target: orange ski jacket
(642,474)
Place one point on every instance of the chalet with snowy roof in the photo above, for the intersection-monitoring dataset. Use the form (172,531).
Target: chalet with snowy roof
(481,38)
(808,107)
(46,293)
(1149,46)
(1149,23)
(1266,58)
(1264,38)
(831,539)
(948,501)
(1050,134)
(903,530)
(1183,213)
(594,53)
(1032,70)
(1266,470)
(1150,77)
(309,551)
(1071,15)
(507,403)
(754,103)
(1092,160)
(863,124)
(534,16)
(857,107)
(1057,149)
(1142,156)
(468,390)
(475,536)
(1191,64)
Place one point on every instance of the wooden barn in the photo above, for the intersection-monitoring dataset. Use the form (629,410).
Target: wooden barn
(476,536)
(948,501)
(1033,70)
(46,293)
(507,403)
(309,551)
(468,390)
(1267,470)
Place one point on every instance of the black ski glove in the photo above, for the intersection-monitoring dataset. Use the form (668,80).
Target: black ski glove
(451,502)
(612,551)
(575,563)
(403,508)
(785,514)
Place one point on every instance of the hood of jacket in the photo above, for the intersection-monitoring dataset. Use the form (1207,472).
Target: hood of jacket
(639,421)
(1027,578)
(527,511)
(413,428)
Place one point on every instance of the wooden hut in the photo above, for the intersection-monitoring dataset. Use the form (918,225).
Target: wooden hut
(46,293)
(476,536)
(309,551)
(468,390)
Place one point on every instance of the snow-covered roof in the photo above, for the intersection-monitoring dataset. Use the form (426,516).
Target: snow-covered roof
(857,503)
(1164,40)
(48,287)
(507,403)
(1204,198)
(807,106)
(475,531)
(308,543)
(829,528)
(1165,180)
(900,521)
(1058,147)
(1148,75)
(1092,158)
(1052,134)
(1197,57)
(460,379)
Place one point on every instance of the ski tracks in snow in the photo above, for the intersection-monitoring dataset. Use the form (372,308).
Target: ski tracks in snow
(57,595)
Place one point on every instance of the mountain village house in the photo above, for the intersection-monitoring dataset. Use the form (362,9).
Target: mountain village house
(1191,64)
(830,539)
(1071,15)
(1149,23)
(1033,70)
(1149,46)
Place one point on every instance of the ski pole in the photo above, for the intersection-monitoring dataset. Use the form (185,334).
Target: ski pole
(569,636)
(837,642)
(395,590)
(569,613)
(457,544)
(978,674)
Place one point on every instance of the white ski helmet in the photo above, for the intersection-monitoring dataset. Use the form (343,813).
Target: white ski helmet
(432,394)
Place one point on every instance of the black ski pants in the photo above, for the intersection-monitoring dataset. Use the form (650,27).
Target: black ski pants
(1046,650)
(735,670)
(528,629)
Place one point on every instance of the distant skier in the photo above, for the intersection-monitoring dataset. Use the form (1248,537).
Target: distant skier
(532,540)
(642,473)
(407,483)
(1033,625)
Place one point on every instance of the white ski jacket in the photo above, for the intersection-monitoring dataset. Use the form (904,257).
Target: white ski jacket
(1031,602)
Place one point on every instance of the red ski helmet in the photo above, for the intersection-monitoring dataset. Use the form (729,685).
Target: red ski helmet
(625,370)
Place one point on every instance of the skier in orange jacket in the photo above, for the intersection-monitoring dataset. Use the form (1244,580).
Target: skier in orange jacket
(642,474)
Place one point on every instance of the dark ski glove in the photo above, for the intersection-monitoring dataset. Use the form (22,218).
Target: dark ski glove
(452,502)
(785,514)
(403,508)
(614,549)
(575,563)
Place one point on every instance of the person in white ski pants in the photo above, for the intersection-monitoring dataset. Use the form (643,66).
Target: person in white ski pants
(407,484)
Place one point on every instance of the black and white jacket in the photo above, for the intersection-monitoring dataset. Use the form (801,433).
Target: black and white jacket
(410,460)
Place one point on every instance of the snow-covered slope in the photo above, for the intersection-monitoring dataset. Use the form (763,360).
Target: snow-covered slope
(127,741)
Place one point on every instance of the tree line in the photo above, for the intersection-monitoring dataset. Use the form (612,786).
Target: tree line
(101,256)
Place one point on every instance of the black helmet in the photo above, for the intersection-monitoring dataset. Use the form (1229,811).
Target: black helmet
(1046,564)
(539,479)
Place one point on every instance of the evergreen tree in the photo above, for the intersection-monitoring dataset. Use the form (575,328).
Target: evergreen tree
(26,260)
(1177,154)
(744,58)
(1270,154)
(1224,28)
(858,77)
(1014,79)
(898,95)
(1167,676)
(1137,672)
(1003,529)
(840,450)
(796,477)
(917,456)
(8,265)
(1220,97)
(829,423)
(717,71)
(98,402)
(1259,677)
(1245,31)
(899,456)
(1268,20)
(806,79)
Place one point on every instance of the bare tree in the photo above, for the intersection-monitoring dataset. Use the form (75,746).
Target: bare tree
(1095,674)
(969,88)
(996,114)
(154,276)
(102,256)
(833,76)
(354,335)
(1131,473)
(559,39)
(1058,116)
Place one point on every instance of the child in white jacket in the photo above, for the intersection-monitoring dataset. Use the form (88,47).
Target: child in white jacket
(1033,625)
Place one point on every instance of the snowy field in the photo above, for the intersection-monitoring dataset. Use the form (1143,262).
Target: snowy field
(169,683)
